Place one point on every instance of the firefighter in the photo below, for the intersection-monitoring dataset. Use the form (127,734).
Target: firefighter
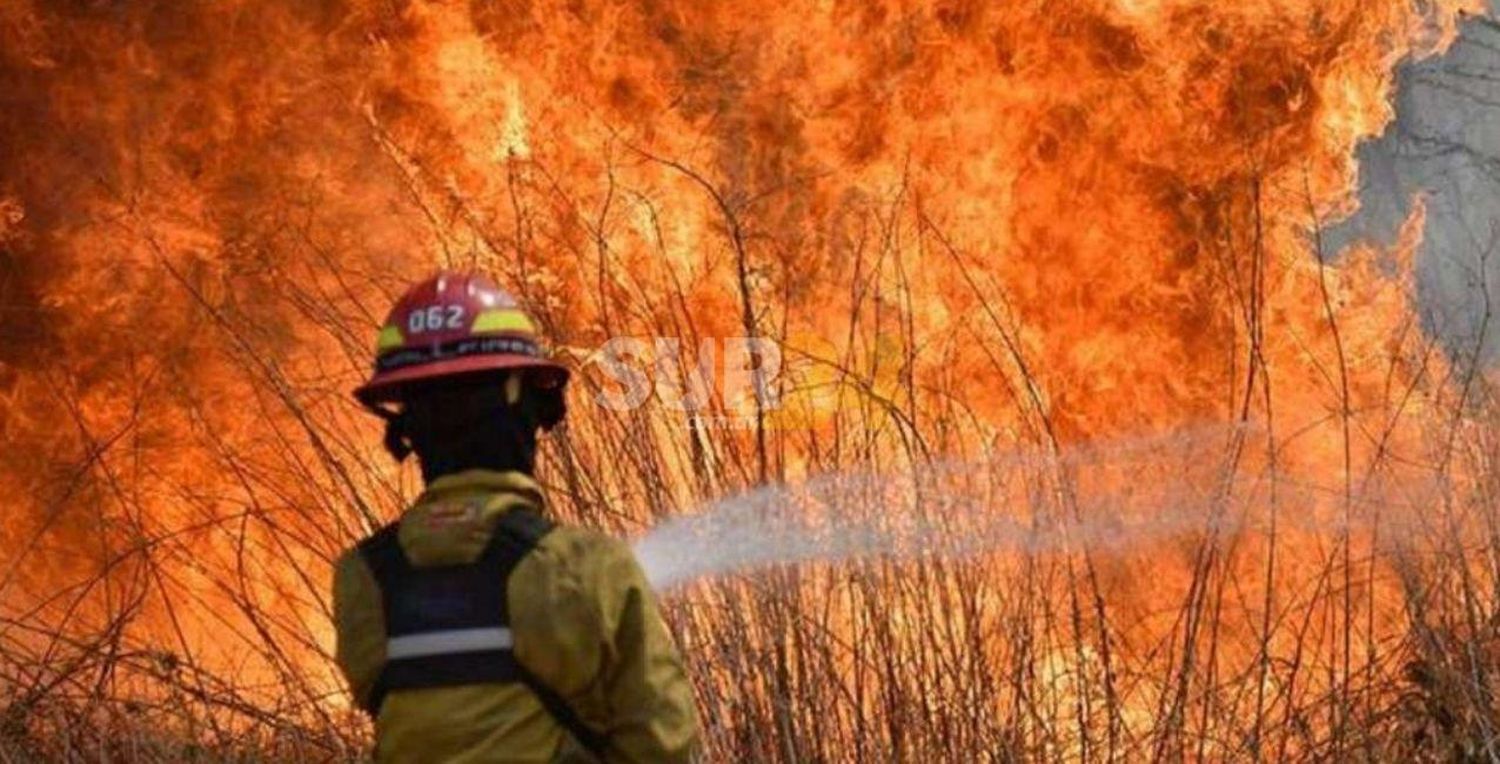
(474,629)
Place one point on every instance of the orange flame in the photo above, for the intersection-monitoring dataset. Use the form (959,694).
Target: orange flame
(970,226)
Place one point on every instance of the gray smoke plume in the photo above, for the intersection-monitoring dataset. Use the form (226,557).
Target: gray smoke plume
(1444,145)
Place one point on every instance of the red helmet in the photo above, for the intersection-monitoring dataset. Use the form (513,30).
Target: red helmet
(453,324)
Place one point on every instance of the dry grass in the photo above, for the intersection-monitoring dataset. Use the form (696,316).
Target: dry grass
(175,576)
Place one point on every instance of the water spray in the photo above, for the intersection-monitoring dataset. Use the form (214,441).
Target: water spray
(1109,497)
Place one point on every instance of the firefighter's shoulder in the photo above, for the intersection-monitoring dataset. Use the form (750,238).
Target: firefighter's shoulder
(566,600)
(350,571)
(584,539)
(588,548)
(589,558)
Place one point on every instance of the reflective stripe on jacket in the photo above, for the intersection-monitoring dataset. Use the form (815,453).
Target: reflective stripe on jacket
(583,620)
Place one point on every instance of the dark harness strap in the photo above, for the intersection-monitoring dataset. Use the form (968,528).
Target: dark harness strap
(426,608)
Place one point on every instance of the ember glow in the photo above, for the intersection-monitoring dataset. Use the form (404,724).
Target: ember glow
(973,229)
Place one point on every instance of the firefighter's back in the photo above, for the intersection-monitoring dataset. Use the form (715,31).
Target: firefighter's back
(578,619)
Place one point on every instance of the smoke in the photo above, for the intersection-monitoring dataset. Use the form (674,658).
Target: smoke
(1444,148)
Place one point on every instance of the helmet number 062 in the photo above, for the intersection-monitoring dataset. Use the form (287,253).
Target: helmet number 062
(435,318)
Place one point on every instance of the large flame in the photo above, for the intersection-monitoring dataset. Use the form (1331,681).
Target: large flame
(971,227)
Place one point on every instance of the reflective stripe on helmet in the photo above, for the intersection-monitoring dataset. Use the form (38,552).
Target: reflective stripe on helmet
(501,345)
(503,321)
(447,642)
(390,339)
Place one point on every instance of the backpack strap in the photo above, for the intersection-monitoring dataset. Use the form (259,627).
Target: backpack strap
(450,625)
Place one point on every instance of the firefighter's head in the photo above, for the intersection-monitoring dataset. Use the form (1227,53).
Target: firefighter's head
(462,379)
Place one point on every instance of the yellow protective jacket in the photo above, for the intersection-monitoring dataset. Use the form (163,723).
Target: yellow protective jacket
(584,622)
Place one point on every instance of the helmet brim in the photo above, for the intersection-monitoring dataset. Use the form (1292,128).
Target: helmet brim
(386,387)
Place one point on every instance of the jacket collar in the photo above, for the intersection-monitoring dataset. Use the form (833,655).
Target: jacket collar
(485,481)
